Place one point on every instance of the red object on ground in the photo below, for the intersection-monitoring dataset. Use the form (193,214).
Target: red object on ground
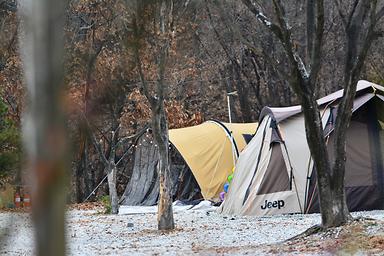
(27,200)
(17,200)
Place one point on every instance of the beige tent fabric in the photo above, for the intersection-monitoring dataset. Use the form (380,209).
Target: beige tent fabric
(292,129)
(293,133)
(241,179)
(285,112)
(254,205)
(207,149)
(238,130)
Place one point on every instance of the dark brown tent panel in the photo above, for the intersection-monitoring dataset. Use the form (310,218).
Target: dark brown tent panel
(276,178)
(364,166)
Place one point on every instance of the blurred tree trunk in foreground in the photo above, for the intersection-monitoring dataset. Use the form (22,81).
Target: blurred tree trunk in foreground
(45,139)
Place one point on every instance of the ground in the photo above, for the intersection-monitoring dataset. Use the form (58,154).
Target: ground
(90,232)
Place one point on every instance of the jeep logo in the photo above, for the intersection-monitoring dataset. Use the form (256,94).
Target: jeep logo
(275,204)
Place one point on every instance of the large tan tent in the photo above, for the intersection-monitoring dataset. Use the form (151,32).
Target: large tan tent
(211,150)
(274,173)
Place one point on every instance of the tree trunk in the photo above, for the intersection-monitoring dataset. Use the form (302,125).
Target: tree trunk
(112,189)
(83,174)
(243,93)
(333,208)
(160,134)
(79,179)
(159,120)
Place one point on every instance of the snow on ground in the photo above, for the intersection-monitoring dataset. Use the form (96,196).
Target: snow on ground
(198,232)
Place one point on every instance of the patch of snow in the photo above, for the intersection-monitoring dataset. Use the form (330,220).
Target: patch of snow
(262,18)
(204,206)
(197,232)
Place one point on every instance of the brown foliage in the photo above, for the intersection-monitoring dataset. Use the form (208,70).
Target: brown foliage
(137,112)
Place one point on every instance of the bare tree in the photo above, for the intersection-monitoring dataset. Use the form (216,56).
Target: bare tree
(163,16)
(111,159)
(360,23)
(45,138)
(92,30)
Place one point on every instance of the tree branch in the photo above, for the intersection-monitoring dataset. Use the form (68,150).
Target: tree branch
(263,19)
(137,135)
(233,27)
(311,26)
(341,14)
(378,34)
(380,14)
(166,17)
(350,16)
(371,35)
(354,62)
(317,42)
(288,44)
(144,84)
(96,144)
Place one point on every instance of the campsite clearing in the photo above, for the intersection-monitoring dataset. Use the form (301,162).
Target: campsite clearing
(198,232)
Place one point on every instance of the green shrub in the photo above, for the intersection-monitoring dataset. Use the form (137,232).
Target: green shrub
(106,201)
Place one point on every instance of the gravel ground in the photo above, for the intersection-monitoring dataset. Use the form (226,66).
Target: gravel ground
(198,232)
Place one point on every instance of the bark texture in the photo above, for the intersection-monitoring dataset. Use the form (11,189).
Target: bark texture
(112,189)
(160,134)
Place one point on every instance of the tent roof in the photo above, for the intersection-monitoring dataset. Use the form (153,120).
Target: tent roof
(280,114)
(208,151)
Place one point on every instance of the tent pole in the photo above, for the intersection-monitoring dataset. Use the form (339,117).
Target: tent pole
(229,104)
(229,109)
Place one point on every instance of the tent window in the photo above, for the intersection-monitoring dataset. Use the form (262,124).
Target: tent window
(276,178)
(247,138)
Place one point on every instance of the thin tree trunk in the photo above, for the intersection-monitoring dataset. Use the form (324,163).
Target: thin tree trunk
(156,100)
(160,122)
(79,179)
(160,134)
(112,189)
(332,198)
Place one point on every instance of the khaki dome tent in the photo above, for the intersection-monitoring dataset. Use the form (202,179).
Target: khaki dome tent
(274,173)
(210,150)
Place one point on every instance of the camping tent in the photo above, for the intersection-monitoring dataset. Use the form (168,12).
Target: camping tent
(211,150)
(275,174)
